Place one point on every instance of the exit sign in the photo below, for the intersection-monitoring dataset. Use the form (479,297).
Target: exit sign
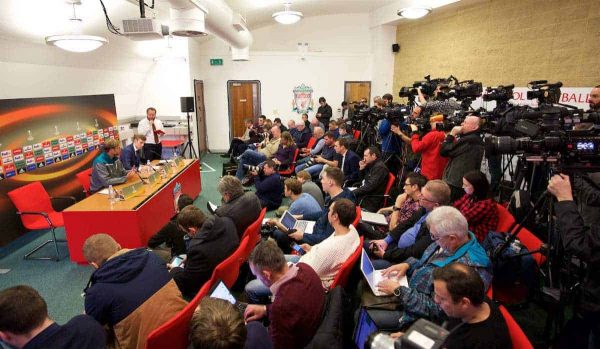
(216,61)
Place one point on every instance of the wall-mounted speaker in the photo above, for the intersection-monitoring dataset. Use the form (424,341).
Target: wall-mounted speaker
(395,48)
(187,104)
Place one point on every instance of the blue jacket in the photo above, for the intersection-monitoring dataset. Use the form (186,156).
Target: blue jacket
(351,170)
(390,143)
(322,228)
(106,171)
(269,190)
(418,299)
(129,157)
(124,283)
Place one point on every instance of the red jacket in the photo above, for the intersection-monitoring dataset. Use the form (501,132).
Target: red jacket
(432,163)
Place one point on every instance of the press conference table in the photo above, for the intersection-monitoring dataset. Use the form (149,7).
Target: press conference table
(133,221)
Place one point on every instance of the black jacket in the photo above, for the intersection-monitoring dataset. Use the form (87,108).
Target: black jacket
(584,242)
(216,240)
(587,190)
(170,235)
(243,210)
(375,177)
(325,112)
(422,240)
(350,168)
(465,155)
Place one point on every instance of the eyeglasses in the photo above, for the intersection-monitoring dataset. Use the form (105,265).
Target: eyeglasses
(407,184)
(436,238)
(425,199)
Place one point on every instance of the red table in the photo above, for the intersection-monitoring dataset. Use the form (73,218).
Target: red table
(131,222)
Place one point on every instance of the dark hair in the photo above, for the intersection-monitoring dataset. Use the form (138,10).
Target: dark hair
(217,324)
(183,201)
(191,217)
(343,126)
(322,99)
(271,164)
(345,210)
(462,281)
(329,134)
(294,186)
(22,310)
(417,179)
(343,142)
(335,174)
(374,150)
(150,108)
(264,117)
(344,103)
(481,186)
(267,255)
(277,120)
(388,97)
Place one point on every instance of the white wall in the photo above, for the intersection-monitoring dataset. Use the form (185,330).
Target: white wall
(339,50)
(123,68)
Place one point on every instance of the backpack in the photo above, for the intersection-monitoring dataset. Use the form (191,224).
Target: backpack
(507,269)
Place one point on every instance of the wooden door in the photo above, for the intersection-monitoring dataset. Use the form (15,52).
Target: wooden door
(355,90)
(200,115)
(244,103)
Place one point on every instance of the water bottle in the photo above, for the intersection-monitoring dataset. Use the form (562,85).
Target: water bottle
(111,194)
(148,167)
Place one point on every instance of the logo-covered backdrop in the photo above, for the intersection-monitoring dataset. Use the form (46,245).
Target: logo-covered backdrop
(49,140)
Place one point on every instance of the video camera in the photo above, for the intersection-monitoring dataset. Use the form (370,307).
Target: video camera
(427,86)
(499,94)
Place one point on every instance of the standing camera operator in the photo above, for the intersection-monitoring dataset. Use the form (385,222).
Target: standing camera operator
(439,105)
(428,145)
(390,142)
(584,242)
(464,147)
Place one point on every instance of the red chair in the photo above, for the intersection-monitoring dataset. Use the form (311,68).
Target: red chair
(386,193)
(253,232)
(356,134)
(84,178)
(229,269)
(341,278)
(35,208)
(532,243)
(290,170)
(174,333)
(358,217)
(517,336)
(311,143)
(505,219)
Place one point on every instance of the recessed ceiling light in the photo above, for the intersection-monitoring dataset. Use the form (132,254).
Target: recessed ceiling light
(414,12)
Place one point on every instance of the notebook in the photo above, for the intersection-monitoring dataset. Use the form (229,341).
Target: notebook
(373,218)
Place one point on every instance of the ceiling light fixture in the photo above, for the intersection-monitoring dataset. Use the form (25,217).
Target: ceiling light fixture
(414,12)
(287,16)
(76,42)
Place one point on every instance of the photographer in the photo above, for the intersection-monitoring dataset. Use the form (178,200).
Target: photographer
(439,104)
(584,242)
(428,145)
(390,144)
(464,147)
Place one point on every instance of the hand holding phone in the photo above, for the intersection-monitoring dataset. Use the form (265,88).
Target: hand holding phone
(177,261)
(298,249)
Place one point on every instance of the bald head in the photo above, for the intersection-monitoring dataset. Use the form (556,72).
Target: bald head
(276,131)
(471,123)
(595,98)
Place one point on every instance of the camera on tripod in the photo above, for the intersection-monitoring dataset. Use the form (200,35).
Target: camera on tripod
(499,94)
(427,86)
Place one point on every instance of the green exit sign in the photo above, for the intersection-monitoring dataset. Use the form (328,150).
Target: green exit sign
(216,61)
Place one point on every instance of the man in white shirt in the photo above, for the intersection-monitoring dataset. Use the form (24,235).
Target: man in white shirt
(153,129)
(326,257)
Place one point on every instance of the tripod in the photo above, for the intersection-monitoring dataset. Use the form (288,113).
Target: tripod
(188,145)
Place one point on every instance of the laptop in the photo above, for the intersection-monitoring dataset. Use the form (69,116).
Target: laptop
(288,221)
(364,328)
(373,218)
(373,276)
(221,291)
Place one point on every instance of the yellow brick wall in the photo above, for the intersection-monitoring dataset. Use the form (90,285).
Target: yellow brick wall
(503,42)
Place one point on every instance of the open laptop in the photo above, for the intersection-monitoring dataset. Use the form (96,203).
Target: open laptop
(288,221)
(373,276)
(364,328)
(221,291)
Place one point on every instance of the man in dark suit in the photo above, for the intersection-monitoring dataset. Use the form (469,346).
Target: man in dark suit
(131,154)
(373,177)
(347,161)
(213,240)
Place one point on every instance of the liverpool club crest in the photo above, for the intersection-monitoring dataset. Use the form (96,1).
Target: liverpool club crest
(302,102)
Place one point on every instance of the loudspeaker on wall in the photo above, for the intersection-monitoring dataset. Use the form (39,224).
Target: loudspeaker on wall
(395,48)
(187,104)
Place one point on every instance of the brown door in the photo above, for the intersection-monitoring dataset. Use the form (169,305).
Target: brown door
(244,103)
(355,90)
(200,115)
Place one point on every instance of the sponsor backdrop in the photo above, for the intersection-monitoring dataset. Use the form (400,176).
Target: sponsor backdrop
(49,140)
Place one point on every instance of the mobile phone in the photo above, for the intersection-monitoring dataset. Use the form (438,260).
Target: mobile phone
(374,247)
(176,261)
(291,231)
(298,249)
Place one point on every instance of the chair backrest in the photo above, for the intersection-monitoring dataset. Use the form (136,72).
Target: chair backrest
(84,178)
(388,187)
(341,278)
(356,134)
(174,333)
(253,232)
(31,197)
(311,143)
(229,269)
(505,219)
(358,216)
(532,243)
(290,169)
(517,336)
